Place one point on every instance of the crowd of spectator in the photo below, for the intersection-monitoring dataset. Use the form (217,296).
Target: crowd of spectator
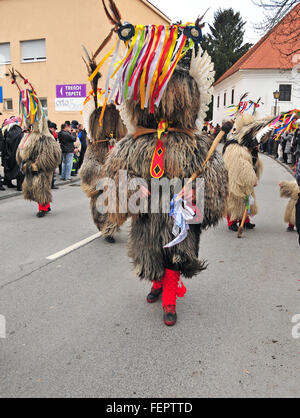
(286,149)
(73,141)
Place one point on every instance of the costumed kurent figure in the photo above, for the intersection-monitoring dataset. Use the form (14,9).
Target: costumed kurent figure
(38,153)
(287,123)
(163,107)
(290,190)
(241,158)
(101,140)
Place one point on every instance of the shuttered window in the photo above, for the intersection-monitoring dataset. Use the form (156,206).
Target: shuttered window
(8,104)
(285,92)
(4,53)
(34,50)
(44,104)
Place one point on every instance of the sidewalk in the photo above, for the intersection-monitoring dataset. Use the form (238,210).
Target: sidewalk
(8,193)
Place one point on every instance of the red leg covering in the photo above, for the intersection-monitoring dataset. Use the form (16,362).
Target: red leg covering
(156,285)
(171,289)
(229,222)
(44,208)
(247,221)
(291,226)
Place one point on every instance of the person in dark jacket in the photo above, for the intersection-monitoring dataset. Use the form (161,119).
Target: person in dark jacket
(13,134)
(296,144)
(53,131)
(66,141)
(82,135)
(1,148)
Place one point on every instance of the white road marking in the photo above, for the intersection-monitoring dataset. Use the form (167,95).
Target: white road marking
(74,247)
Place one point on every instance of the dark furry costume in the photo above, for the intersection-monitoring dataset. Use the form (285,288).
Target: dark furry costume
(184,155)
(163,108)
(39,155)
(13,135)
(102,138)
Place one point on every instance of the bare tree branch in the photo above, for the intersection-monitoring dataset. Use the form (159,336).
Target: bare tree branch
(286,39)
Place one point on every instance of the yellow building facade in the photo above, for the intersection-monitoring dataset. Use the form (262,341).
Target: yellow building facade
(43,40)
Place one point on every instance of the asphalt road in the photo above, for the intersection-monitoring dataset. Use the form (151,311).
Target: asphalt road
(79,326)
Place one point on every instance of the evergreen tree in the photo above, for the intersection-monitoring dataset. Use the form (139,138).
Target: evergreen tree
(225,43)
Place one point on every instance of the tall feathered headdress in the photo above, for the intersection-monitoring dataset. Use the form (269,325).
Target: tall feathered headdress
(151,55)
(30,107)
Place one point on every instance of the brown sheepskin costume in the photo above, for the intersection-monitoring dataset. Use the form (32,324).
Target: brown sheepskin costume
(39,155)
(100,140)
(290,190)
(184,155)
(241,158)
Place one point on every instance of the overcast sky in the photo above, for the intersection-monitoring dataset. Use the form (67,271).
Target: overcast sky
(188,10)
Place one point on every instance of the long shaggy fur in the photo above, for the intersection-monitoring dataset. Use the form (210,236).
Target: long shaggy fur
(246,128)
(95,156)
(46,153)
(151,232)
(243,164)
(242,179)
(184,156)
(290,190)
(180,104)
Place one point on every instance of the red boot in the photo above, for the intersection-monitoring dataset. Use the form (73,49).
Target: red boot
(171,291)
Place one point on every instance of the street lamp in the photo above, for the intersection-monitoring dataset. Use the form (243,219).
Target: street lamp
(276,95)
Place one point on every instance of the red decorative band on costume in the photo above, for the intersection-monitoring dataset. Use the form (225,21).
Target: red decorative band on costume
(44,208)
(157,167)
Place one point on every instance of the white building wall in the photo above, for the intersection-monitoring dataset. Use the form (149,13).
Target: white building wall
(258,83)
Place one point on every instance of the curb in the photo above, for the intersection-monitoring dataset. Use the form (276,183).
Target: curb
(57,183)
(288,169)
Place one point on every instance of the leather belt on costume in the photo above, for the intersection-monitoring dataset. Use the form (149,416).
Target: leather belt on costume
(157,165)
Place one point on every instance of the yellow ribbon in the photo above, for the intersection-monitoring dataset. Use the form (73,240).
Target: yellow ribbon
(169,57)
(137,30)
(103,110)
(93,75)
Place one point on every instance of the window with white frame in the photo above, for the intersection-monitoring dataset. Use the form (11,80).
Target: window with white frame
(225,99)
(33,51)
(232,96)
(8,104)
(44,104)
(5,53)
(218,102)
